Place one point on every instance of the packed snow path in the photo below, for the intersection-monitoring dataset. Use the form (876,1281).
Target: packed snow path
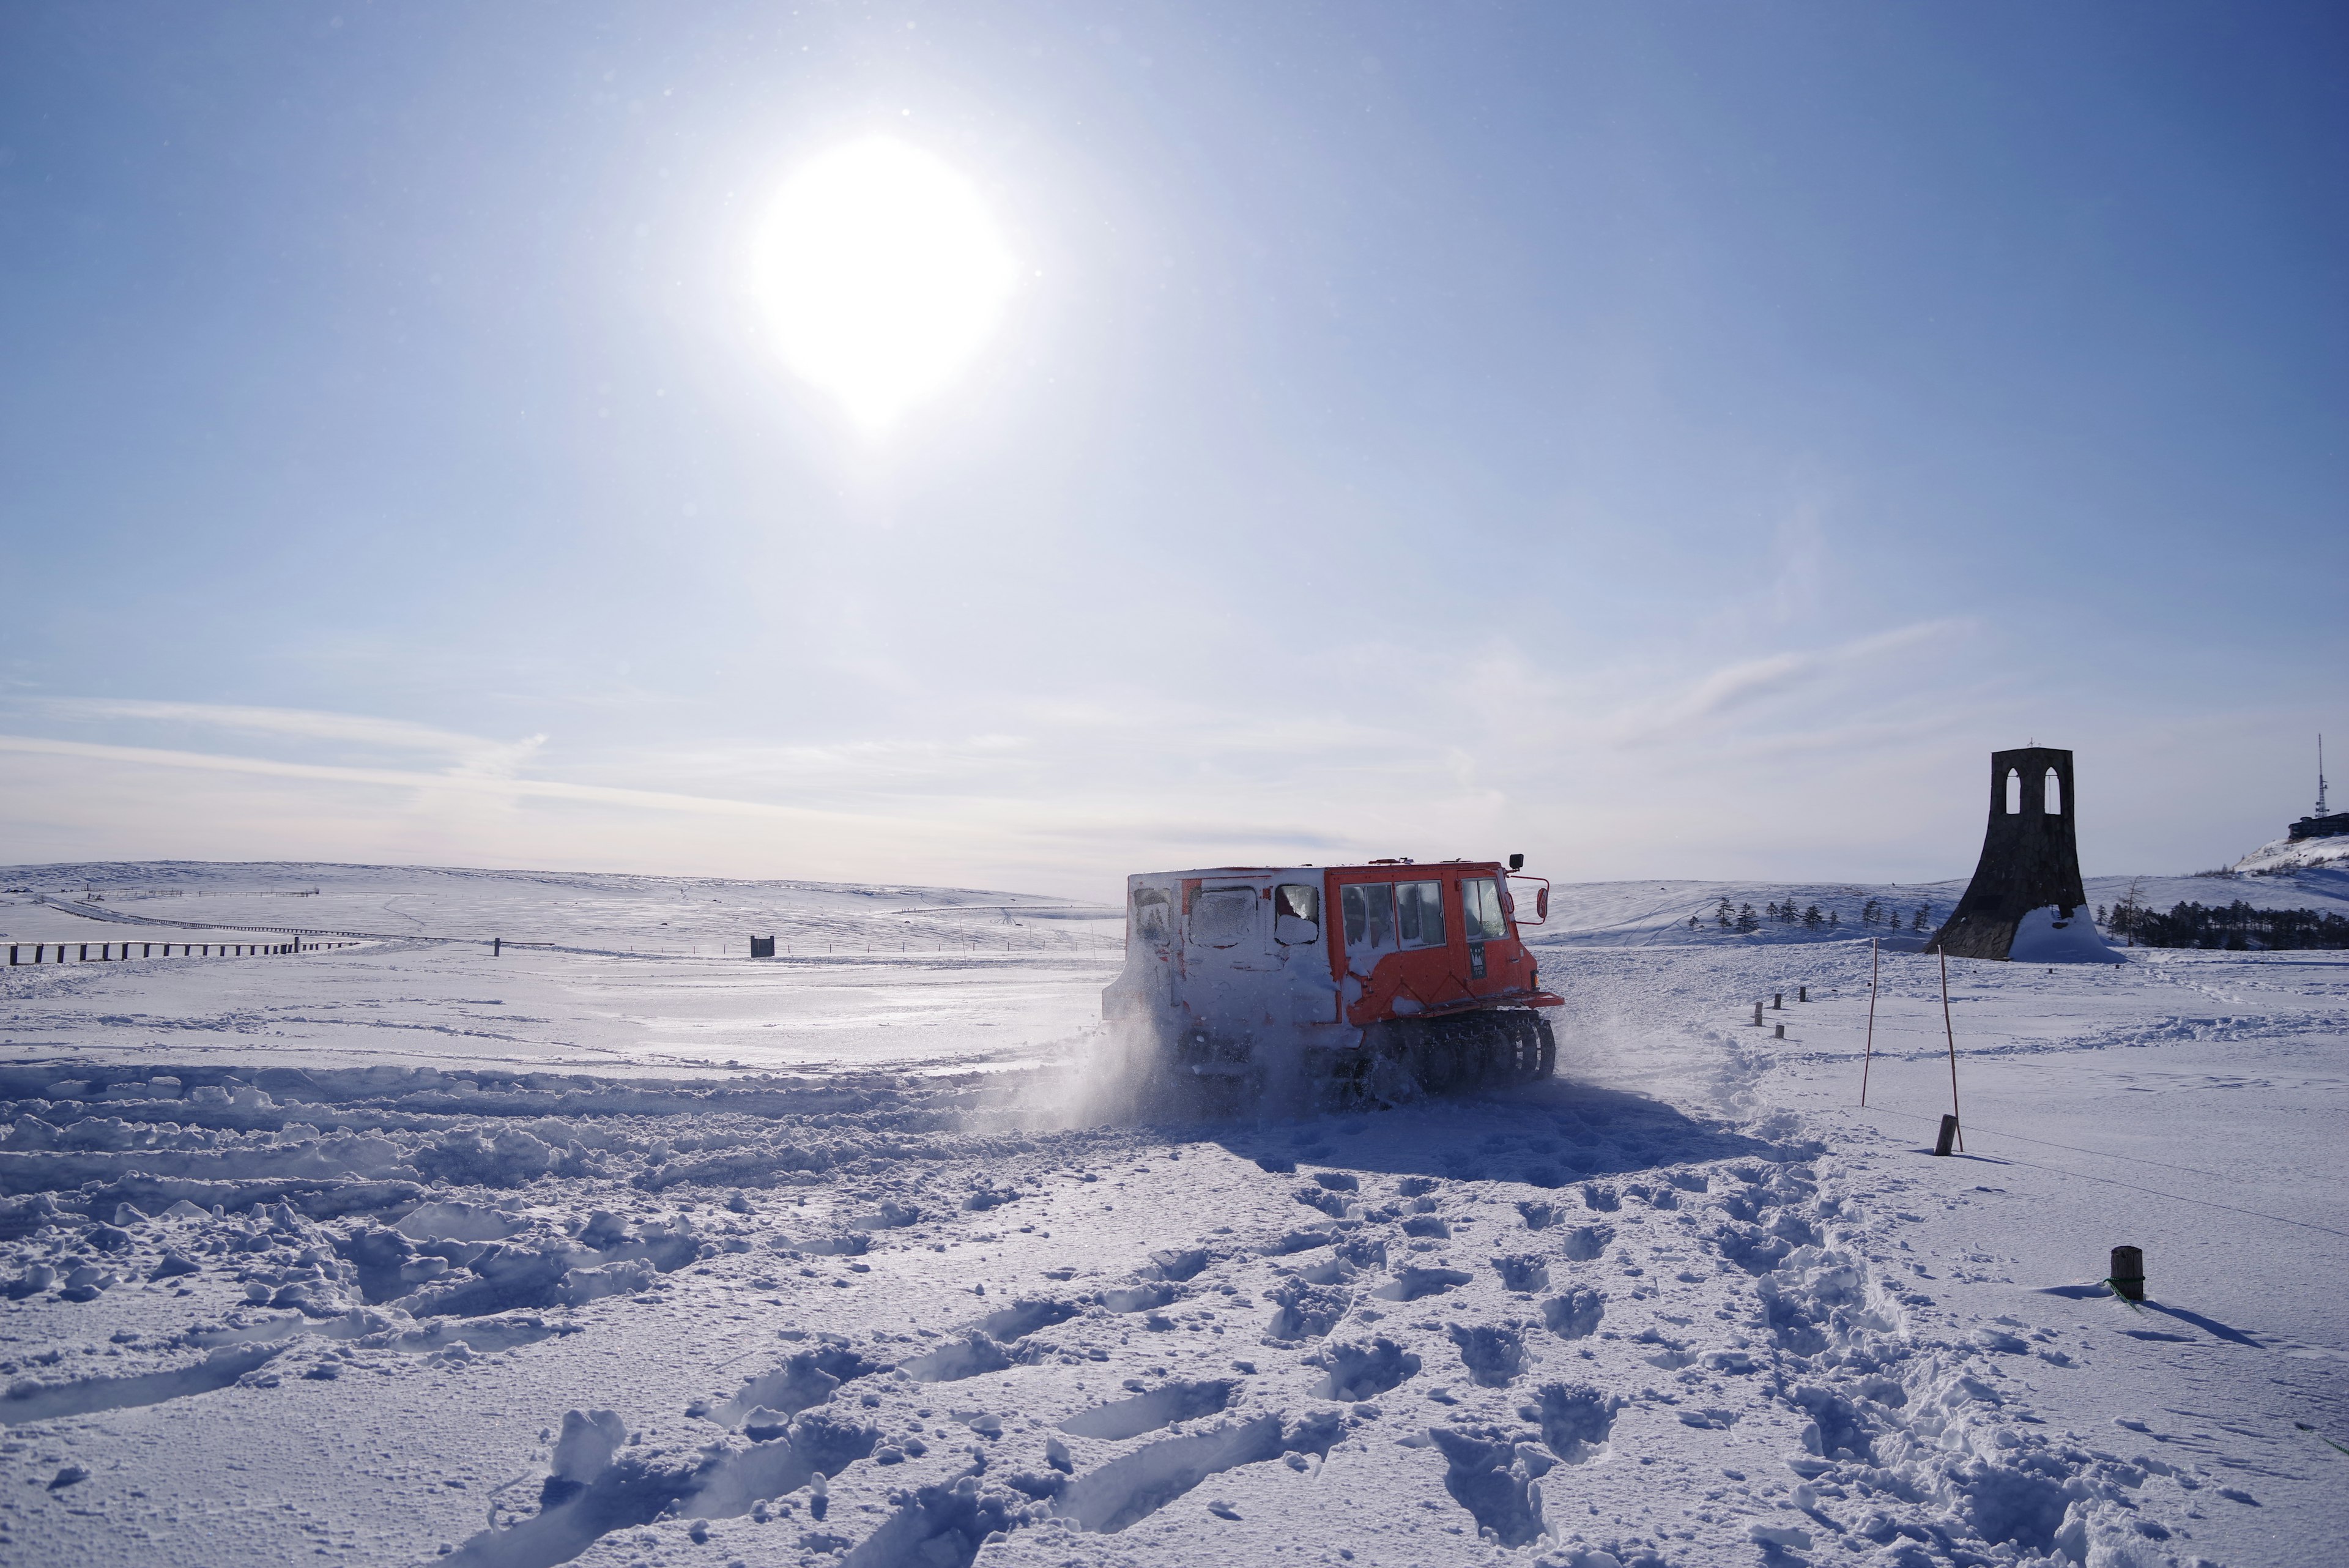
(276,1288)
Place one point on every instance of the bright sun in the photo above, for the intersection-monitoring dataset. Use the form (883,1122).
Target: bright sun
(881,274)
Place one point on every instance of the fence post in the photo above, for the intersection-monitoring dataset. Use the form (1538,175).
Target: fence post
(1950,1127)
(1871,1057)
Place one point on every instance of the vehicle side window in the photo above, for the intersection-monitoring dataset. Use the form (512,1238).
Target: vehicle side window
(1419,913)
(1223,917)
(1150,917)
(1480,909)
(1369,908)
(1296,913)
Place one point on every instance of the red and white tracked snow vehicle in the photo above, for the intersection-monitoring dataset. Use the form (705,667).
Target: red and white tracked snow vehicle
(1344,984)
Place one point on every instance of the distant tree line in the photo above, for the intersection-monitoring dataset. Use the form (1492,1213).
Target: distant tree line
(1741,918)
(2236,926)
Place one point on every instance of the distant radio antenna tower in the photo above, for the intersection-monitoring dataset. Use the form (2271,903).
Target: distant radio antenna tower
(2320,775)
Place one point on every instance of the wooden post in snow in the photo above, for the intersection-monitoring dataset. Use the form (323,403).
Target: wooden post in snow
(1869,1056)
(1953,1035)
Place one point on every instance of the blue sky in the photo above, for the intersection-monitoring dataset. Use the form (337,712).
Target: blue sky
(1671,441)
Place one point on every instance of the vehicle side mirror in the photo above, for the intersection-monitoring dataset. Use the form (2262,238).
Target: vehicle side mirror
(1517,862)
(1541,905)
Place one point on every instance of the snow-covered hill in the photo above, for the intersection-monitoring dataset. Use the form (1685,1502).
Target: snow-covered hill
(2285,854)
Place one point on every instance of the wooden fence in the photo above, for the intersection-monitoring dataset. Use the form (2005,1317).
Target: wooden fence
(107,952)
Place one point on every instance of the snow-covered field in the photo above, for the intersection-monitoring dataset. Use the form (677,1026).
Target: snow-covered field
(624,1248)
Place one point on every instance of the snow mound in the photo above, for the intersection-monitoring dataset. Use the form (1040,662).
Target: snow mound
(2048,936)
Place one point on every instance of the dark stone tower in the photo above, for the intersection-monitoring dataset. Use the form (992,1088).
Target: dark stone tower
(2030,858)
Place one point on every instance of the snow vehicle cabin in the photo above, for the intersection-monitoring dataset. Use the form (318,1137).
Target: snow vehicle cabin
(1352,984)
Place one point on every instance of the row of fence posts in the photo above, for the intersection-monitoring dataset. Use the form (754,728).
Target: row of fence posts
(764,948)
(106,953)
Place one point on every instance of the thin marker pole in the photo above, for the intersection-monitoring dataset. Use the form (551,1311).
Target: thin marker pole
(1871,1055)
(1952,1035)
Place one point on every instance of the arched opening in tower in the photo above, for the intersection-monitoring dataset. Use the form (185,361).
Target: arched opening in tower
(2055,793)
(2013,792)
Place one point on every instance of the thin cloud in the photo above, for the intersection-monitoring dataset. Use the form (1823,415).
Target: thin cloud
(302,723)
(464,782)
(1737,686)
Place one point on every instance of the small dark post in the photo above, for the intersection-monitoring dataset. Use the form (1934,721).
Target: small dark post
(762,946)
(84,952)
(2128,1273)
(1948,1134)
(497,946)
(1802,993)
(12,955)
(1757,1016)
(1782,1032)
(1777,1000)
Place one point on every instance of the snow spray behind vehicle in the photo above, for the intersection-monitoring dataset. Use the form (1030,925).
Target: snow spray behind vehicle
(1334,985)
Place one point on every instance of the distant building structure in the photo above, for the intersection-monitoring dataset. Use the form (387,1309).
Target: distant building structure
(2321,824)
(2030,859)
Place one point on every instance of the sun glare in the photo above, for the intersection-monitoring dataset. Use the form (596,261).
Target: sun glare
(881,274)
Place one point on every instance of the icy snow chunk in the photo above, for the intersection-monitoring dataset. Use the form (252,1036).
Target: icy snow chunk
(87,1281)
(36,1278)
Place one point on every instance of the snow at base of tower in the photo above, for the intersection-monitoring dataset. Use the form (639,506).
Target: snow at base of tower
(2046,936)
